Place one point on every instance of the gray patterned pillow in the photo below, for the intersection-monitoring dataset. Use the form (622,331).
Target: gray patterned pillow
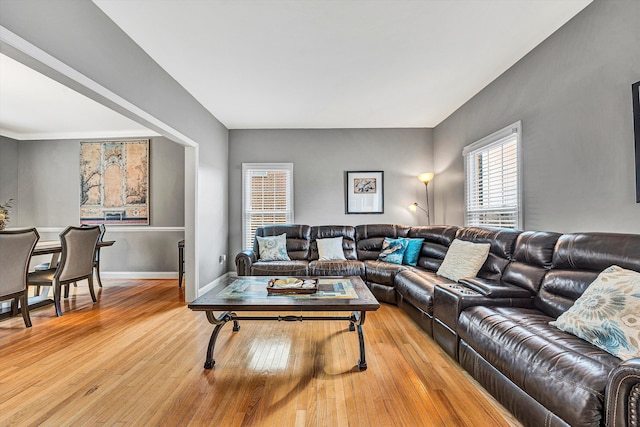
(273,248)
(608,313)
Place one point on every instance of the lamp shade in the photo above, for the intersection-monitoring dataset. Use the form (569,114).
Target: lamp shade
(413,207)
(426,177)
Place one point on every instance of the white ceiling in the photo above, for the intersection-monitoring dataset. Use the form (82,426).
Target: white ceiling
(337,64)
(299,63)
(34,107)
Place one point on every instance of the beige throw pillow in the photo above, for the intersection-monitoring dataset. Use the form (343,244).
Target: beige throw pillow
(463,259)
(330,249)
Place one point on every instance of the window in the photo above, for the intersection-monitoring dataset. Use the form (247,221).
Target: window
(492,179)
(267,197)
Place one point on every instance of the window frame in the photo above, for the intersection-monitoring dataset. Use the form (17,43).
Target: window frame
(246,186)
(496,138)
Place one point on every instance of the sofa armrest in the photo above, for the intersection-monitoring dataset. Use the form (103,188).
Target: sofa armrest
(450,299)
(244,261)
(494,289)
(622,403)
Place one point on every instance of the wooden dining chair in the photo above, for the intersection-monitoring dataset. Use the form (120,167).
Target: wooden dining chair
(16,248)
(76,263)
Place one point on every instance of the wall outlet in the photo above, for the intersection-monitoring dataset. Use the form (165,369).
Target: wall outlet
(222,259)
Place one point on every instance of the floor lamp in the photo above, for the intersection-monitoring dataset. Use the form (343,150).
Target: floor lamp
(426,178)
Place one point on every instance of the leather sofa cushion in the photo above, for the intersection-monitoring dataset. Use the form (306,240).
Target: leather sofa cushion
(562,372)
(440,234)
(577,261)
(502,245)
(597,251)
(347,232)
(561,288)
(437,240)
(417,286)
(280,268)
(382,272)
(371,236)
(536,248)
(532,257)
(298,239)
(336,268)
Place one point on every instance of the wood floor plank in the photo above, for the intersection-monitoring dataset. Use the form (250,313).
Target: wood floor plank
(136,358)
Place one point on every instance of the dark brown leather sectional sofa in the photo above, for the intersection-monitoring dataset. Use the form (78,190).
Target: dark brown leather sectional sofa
(496,325)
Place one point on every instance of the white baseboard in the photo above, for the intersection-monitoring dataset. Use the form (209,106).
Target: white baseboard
(139,275)
(206,288)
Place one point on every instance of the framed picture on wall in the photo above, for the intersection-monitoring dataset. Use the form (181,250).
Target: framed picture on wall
(635,90)
(364,192)
(114,182)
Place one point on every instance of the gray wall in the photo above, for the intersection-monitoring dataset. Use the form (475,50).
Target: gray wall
(49,196)
(80,35)
(320,158)
(9,171)
(573,95)
(213,207)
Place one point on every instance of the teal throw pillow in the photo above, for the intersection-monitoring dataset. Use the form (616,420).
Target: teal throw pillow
(273,248)
(413,251)
(393,250)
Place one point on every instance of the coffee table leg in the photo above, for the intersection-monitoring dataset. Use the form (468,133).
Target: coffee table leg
(357,320)
(220,321)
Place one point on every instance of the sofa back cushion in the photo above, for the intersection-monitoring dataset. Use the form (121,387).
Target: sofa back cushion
(371,236)
(578,258)
(532,258)
(437,239)
(502,243)
(298,239)
(347,232)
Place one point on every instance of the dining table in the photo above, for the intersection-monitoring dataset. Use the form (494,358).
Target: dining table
(47,247)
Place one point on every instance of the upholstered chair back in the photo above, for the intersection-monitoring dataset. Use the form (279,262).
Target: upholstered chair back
(578,258)
(437,239)
(347,232)
(501,252)
(298,239)
(78,253)
(15,253)
(371,236)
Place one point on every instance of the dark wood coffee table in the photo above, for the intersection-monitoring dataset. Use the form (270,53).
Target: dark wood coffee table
(245,293)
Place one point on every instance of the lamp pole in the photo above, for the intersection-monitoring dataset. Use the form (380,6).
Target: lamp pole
(426,189)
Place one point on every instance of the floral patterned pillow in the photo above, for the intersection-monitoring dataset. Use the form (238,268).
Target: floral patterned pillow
(273,248)
(608,313)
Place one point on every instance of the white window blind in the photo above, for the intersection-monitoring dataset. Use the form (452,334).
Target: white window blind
(492,180)
(267,197)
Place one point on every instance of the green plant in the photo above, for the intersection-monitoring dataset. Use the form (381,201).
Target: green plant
(4,213)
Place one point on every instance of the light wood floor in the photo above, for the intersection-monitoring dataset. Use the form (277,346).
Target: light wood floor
(136,358)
